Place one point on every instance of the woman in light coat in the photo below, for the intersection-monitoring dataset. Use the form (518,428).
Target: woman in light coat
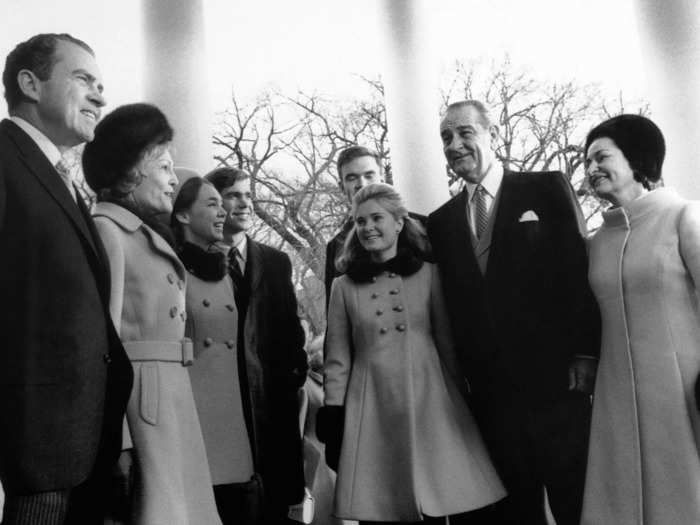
(129,167)
(406,447)
(212,324)
(644,455)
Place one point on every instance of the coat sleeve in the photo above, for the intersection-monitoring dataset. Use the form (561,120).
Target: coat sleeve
(442,334)
(582,318)
(294,336)
(3,198)
(689,239)
(111,239)
(338,359)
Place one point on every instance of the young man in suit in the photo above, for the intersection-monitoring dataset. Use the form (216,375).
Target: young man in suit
(357,167)
(64,376)
(272,360)
(511,252)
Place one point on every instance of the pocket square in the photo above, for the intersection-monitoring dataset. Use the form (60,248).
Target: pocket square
(529,216)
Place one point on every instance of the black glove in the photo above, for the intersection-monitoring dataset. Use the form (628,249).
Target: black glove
(329,429)
(121,488)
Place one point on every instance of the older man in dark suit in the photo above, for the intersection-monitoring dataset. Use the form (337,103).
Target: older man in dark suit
(513,261)
(64,376)
(272,360)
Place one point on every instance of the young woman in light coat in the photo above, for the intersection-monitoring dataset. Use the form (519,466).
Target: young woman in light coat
(404,441)
(129,167)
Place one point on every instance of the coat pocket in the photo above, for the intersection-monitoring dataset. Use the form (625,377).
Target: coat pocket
(149,393)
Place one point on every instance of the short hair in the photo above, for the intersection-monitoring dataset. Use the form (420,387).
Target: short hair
(484,113)
(186,196)
(226,177)
(354,152)
(411,237)
(122,140)
(640,141)
(38,54)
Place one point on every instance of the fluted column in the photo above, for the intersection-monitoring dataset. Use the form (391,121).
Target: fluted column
(670,40)
(412,104)
(175,76)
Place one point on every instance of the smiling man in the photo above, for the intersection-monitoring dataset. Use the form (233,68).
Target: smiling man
(64,376)
(272,360)
(513,262)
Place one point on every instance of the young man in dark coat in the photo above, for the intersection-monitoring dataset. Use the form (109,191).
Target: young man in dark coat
(270,345)
(512,256)
(64,377)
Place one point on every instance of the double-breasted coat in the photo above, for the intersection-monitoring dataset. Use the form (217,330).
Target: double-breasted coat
(148,307)
(644,457)
(410,445)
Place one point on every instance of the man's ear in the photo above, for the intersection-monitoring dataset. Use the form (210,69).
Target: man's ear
(493,133)
(29,84)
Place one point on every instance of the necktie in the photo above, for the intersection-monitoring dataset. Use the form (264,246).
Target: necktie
(64,172)
(234,267)
(481,213)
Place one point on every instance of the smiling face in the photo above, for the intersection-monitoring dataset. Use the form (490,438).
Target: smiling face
(203,222)
(377,230)
(67,103)
(609,173)
(358,173)
(238,204)
(154,194)
(467,143)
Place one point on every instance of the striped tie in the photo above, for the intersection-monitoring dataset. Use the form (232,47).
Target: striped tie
(64,172)
(481,213)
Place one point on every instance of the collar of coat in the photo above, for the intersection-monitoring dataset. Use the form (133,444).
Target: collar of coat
(404,263)
(208,266)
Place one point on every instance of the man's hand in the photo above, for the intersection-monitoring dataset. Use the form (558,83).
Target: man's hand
(582,374)
(122,487)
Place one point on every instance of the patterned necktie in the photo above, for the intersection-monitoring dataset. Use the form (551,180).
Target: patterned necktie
(64,172)
(481,213)
(234,267)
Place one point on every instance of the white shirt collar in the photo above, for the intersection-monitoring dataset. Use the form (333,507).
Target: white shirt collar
(47,147)
(491,181)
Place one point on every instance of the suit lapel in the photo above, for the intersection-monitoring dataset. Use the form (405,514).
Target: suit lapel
(461,239)
(253,266)
(38,165)
(504,205)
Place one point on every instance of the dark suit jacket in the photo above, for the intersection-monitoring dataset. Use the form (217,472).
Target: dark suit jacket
(64,376)
(518,326)
(275,367)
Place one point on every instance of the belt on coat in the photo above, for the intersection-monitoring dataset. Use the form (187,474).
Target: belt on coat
(168,351)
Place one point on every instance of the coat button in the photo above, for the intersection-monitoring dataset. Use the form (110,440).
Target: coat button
(230,343)
(395,291)
(171,278)
(183,316)
(229,307)
(398,308)
(401,327)
(375,295)
(380,312)
(180,285)
(206,302)
(382,330)
(107,358)
(173,312)
(208,341)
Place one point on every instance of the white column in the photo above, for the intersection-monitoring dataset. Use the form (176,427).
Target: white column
(175,76)
(670,39)
(412,104)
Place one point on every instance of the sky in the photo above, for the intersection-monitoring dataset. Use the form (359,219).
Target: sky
(324,44)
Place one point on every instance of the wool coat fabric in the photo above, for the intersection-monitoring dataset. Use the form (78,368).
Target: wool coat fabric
(410,445)
(644,458)
(64,376)
(148,307)
(212,324)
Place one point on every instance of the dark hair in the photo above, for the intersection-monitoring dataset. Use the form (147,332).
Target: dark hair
(640,141)
(355,152)
(38,54)
(412,237)
(480,107)
(226,177)
(186,196)
(122,140)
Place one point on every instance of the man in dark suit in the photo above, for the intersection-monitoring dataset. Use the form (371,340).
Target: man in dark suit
(512,256)
(64,376)
(271,352)
(357,167)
